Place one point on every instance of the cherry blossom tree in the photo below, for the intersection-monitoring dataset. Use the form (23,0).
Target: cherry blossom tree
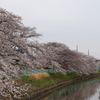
(14,34)
(14,52)
(48,56)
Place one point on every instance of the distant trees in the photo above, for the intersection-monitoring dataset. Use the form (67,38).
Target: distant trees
(58,56)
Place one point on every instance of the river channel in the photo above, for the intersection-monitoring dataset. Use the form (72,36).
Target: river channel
(87,90)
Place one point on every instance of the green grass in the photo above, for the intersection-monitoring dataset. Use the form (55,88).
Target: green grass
(54,77)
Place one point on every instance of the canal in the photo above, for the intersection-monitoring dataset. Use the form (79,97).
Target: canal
(86,90)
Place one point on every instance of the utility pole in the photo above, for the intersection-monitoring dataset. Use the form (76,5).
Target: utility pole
(76,47)
(88,53)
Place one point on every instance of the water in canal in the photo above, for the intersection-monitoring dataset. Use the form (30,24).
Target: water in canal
(88,90)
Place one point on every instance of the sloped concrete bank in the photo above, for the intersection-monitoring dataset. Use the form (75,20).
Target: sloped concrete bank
(41,92)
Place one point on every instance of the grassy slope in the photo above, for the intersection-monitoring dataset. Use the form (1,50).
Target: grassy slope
(48,80)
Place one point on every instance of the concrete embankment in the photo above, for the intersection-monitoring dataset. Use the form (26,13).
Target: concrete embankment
(41,92)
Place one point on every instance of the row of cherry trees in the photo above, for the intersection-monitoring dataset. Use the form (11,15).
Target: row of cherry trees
(58,56)
(18,51)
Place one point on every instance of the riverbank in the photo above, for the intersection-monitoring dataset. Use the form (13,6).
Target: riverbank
(40,92)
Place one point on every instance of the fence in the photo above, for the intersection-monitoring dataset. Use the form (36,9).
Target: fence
(25,72)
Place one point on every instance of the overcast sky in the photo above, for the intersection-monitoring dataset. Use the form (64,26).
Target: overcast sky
(72,22)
